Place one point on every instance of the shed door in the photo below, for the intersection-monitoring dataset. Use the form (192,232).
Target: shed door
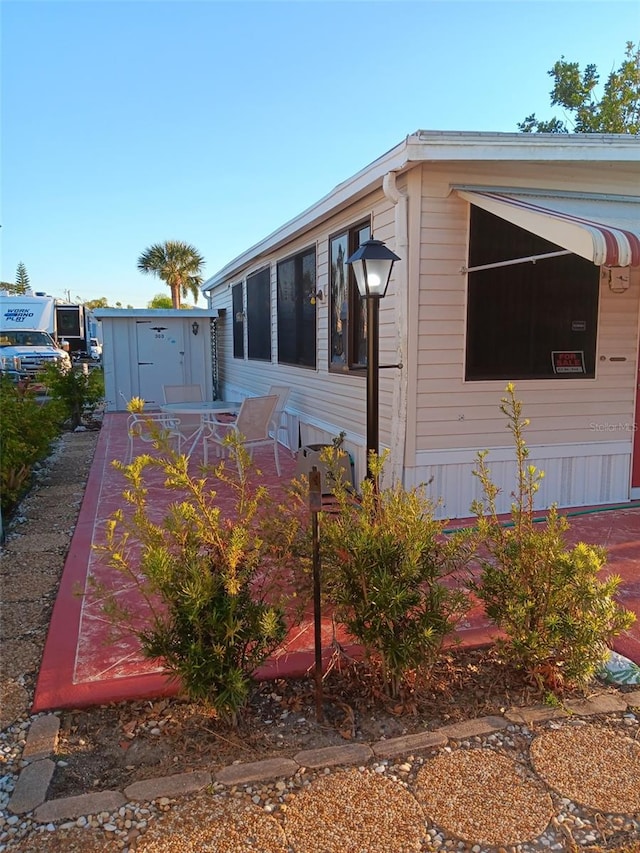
(160,357)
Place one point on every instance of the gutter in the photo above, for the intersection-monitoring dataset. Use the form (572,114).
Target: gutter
(400,200)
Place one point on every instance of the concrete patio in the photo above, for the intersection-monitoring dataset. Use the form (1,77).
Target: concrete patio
(83,664)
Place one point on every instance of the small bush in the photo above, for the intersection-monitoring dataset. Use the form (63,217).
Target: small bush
(27,429)
(77,392)
(385,563)
(558,616)
(212,614)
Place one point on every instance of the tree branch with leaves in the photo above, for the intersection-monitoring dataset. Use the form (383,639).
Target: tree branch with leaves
(616,110)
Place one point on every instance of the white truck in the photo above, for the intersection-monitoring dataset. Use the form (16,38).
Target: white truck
(27,329)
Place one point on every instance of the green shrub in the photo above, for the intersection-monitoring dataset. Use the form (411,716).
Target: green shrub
(77,392)
(27,429)
(212,610)
(558,616)
(385,563)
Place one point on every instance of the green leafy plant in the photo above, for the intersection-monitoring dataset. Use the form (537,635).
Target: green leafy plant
(209,579)
(385,568)
(27,429)
(78,393)
(588,107)
(556,612)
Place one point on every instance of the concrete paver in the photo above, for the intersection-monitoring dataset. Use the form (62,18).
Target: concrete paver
(605,704)
(633,699)
(408,743)
(473,728)
(31,787)
(256,771)
(332,756)
(42,738)
(168,786)
(67,808)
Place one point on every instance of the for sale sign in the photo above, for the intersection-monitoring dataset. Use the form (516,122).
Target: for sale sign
(568,361)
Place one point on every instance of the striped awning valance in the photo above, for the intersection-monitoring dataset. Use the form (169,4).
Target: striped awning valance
(603,229)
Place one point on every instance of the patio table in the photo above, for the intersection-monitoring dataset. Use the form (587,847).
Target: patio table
(202,408)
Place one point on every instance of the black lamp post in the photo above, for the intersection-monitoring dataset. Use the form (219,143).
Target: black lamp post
(372,264)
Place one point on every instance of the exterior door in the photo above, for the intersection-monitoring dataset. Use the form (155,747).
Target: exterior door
(635,462)
(160,357)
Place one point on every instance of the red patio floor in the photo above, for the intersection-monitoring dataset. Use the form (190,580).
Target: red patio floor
(83,664)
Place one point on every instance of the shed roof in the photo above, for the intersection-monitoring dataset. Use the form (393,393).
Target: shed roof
(121,313)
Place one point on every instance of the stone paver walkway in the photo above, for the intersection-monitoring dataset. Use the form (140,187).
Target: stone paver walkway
(471,785)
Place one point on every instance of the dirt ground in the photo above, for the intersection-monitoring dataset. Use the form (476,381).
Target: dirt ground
(115,745)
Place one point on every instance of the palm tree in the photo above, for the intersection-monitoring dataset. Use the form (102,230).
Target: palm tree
(178,264)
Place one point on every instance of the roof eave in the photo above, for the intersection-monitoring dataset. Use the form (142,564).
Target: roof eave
(437,146)
(345,193)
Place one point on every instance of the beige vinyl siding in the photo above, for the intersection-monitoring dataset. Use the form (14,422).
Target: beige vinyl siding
(452,413)
(323,402)
(581,430)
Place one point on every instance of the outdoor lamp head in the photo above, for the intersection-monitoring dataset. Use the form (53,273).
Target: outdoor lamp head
(372,264)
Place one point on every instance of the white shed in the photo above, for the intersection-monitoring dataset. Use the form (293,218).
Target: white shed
(144,349)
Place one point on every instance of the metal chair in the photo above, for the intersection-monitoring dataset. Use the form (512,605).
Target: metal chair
(188,424)
(151,426)
(253,427)
(279,421)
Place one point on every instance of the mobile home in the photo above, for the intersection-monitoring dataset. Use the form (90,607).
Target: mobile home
(519,261)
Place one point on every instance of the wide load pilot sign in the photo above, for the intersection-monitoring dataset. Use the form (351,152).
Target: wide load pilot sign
(565,361)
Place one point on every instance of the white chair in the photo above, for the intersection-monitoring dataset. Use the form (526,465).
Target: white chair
(188,424)
(151,426)
(279,421)
(253,427)
(182,393)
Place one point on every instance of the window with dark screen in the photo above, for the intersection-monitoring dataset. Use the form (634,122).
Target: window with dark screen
(238,321)
(528,320)
(297,309)
(259,315)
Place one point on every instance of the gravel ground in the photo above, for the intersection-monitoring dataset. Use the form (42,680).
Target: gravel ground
(563,785)
(465,792)
(475,796)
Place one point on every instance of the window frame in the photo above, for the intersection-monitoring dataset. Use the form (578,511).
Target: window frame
(355,350)
(300,299)
(239,315)
(256,349)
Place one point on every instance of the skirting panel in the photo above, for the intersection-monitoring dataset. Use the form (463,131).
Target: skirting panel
(574,475)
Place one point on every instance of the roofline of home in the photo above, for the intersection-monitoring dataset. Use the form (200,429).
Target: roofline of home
(440,146)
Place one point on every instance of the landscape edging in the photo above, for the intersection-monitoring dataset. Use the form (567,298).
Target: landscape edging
(30,791)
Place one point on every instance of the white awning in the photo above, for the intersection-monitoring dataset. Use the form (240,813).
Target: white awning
(602,229)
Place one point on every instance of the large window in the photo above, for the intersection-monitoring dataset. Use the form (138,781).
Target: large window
(259,315)
(348,328)
(297,309)
(528,320)
(238,321)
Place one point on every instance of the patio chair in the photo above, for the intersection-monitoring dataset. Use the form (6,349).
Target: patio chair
(151,426)
(279,421)
(188,424)
(254,427)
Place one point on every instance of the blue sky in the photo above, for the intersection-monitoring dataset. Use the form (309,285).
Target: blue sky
(129,123)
